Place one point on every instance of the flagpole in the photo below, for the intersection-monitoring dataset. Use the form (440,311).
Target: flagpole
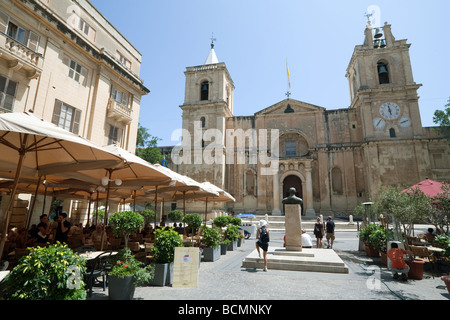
(288,93)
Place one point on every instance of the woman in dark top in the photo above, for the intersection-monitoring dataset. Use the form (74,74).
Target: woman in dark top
(319,232)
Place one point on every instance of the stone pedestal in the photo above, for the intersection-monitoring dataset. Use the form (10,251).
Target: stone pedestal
(293,225)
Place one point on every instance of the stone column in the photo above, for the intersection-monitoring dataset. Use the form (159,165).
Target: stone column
(276,195)
(309,192)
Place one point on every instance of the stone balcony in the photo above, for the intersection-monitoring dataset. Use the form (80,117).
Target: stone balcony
(119,112)
(20,57)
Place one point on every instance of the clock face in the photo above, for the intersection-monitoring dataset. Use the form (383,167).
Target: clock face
(404,122)
(379,123)
(389,110)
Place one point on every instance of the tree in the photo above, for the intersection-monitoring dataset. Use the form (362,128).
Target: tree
(442,118)
(147,146)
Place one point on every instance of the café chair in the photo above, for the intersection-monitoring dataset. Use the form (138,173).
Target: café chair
(97,268)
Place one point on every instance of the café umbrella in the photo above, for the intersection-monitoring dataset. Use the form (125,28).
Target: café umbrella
(33,148)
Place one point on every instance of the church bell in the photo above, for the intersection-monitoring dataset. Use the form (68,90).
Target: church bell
(378,33)
(382,69)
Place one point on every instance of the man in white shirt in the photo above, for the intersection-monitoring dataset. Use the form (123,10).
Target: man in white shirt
(306,240)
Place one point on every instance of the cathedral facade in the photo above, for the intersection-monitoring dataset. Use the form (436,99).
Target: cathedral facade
(336,159)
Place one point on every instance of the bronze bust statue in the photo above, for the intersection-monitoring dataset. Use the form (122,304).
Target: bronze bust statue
(292,199)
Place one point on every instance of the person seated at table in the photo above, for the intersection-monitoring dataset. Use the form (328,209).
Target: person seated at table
(44,229)
(429,236)
(97,234)
(397,262)
(76,237)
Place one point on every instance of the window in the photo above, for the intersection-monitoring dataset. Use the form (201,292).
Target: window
(16,32)
(383,74)
(8,91)
(119,96)
(83,26)
(113,135)
(66,117)
(204,91)
(124,60)
(392,133)
(290,149)
(27,38)
(203,121)
(75,70)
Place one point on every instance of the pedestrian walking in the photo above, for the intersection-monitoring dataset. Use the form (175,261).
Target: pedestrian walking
(330,232)
(319,232)
(263,241)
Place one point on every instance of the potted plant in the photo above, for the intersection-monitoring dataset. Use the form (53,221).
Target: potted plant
(221,221)
(232,234)
(125,223)
(127,273)
(47,273)
(211,244)
(148,215)
(224,246)
(193,221)
(367,236)
(175,215)
(166,240)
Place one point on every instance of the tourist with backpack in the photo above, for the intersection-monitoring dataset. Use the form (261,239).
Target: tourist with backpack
(319,232)
(263,241)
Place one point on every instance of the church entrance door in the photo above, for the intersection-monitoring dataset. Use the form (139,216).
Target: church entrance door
(293,181)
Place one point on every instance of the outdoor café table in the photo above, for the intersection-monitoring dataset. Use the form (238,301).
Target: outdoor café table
(3,274)
(435,249)
(90,255)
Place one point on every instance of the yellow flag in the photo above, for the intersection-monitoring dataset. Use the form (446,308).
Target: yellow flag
(287,68)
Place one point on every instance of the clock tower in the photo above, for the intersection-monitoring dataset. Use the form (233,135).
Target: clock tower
(382,88)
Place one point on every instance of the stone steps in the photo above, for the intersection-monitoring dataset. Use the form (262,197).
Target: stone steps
(313,260)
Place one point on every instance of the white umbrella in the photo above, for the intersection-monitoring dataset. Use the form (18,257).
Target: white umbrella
(32,148)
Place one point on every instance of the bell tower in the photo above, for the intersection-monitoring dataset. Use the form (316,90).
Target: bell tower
(382,87)
(208,101)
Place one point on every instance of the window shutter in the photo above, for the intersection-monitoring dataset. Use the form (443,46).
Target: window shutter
(56,112)
(66,60)
(4,20)
(84,74)
(76,121)
(33,41)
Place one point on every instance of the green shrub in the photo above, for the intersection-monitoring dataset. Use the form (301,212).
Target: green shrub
(232,233)
(221,221)
(166,240)
(125,223)
(211,237)
(235,221)
(47,273)
(193,220)
(148,215)
(175,215)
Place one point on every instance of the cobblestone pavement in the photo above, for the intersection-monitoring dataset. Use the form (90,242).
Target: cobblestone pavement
(225,279)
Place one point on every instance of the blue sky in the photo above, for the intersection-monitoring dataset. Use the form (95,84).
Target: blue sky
(254,39)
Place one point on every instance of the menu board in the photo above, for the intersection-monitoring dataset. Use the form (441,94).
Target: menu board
(185,267)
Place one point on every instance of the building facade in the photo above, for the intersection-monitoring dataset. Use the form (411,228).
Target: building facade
(66,63)
(336,159)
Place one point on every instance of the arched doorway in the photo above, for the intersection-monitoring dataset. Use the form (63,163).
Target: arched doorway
(293,181)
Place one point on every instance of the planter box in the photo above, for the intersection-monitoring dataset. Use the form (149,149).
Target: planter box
(232,246)
(371,252)
(211,254)
(163,274)
(223,249)
(121,288)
